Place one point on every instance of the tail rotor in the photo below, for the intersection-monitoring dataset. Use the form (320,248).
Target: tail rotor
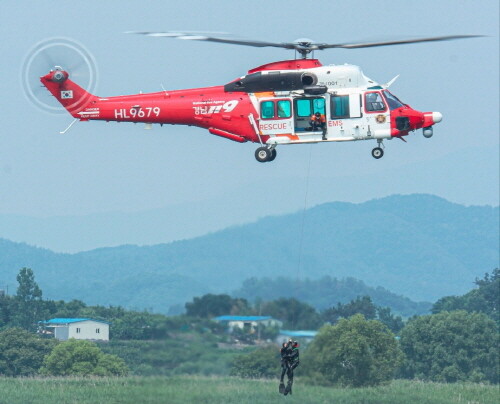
(56,55)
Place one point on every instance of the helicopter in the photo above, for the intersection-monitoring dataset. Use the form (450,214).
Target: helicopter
(295,101)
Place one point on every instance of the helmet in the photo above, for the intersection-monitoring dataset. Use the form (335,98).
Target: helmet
(317,114)
(295,344)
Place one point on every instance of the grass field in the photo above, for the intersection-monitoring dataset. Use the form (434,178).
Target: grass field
(204,390)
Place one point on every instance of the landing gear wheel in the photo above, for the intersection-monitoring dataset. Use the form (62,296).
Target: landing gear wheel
(377,152)
(263,154)
(273,155)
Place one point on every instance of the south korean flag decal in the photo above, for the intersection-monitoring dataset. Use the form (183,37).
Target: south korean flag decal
(67,94)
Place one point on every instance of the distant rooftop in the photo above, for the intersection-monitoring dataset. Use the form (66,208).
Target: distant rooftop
(242,318)
(55,321)
(299,333)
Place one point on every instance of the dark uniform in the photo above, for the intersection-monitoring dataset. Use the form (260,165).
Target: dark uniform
(289,361)
(284,360)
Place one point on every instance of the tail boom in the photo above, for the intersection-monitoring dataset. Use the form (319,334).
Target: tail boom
(209,107)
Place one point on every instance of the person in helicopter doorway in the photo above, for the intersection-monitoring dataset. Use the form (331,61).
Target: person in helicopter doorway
(289,361)
(318,121)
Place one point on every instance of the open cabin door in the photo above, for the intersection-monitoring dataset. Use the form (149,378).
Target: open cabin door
(305,108)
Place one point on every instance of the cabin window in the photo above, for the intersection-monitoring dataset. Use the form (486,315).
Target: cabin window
(392,100)
(97,330)
(78,331)
(319,106)
(304,107)
(267,109)
(279,109)
(284,109)
(374,102)
(340,106)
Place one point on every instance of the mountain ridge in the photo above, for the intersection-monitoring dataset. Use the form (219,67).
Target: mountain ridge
(420,246)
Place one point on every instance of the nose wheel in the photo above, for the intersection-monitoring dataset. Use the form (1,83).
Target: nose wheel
(377,152)
(265,154)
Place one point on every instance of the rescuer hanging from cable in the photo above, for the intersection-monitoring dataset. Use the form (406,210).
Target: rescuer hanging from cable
(289,361)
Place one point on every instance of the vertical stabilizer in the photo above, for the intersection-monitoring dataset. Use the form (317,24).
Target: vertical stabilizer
(71,96)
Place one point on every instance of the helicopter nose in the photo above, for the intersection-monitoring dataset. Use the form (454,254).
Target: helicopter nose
(430,118)
(437,117)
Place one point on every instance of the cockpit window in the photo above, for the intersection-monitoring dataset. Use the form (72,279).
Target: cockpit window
(374,102)
(392,100)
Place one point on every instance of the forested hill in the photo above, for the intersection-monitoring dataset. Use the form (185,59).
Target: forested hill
(420,246)
(320,293)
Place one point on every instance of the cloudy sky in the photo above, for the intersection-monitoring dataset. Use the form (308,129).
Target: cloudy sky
(98,168)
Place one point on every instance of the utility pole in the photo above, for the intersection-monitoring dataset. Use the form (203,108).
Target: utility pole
(258,324)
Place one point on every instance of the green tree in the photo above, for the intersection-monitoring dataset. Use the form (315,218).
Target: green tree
(72,309)
(385,316)
(22,353)
(450,347)
(484,299)
(211,305)
(261,363)
(28,301)
(82,358)
(295,315)
(360,305)
(6,310)
(364,305)
(354,352)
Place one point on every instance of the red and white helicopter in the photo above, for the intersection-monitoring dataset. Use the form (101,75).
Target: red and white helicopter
(271,105)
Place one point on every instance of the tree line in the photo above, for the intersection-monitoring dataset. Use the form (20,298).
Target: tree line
(458,342)
(294,314)
(358,343)
(320,293)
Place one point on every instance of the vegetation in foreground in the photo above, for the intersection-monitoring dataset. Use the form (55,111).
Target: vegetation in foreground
(358,349)
(189,389)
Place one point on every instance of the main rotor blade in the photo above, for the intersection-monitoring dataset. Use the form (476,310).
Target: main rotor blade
(398,42)
(303,46)
(194,36)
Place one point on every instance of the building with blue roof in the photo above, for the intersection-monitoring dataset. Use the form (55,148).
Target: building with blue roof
(249,323)
(78,328)
(305,336)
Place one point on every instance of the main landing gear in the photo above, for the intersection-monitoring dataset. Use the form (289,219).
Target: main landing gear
(265,154)
(378,152)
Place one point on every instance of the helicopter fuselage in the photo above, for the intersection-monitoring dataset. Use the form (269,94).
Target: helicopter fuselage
(272,105)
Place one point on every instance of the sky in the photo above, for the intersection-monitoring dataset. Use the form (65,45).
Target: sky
(100,168)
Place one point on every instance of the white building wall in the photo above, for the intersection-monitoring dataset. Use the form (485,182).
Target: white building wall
(90,330)
(61,333)
(253,324)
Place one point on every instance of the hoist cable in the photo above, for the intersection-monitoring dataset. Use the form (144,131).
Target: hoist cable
(302,227)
